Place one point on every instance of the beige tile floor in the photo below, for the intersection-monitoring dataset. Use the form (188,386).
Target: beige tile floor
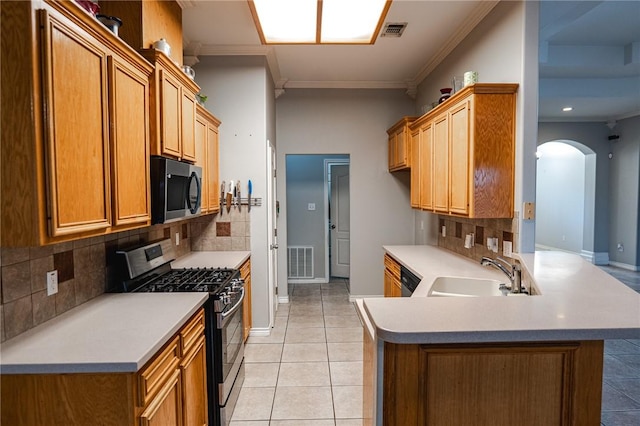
(308,372)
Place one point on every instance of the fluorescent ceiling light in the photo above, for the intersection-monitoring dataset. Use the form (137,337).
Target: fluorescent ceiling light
(567,109)
(318,21)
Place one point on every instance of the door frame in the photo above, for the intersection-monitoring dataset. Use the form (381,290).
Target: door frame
(328,163)
(272,233)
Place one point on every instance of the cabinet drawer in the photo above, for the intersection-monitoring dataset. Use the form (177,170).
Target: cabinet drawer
(191,332)
(160,369)
(392,265)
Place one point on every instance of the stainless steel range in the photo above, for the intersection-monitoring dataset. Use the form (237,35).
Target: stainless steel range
(148,269)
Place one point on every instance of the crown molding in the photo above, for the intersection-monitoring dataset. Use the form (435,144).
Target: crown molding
(480,12)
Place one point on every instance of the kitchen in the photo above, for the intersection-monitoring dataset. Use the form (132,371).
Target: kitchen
(378,111)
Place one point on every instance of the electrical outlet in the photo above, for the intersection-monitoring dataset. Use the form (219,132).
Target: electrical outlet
(52,282)
(620,247)
(311,206)
(177,238)
(529,211)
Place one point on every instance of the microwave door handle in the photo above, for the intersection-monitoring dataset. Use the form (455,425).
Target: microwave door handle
(193,208)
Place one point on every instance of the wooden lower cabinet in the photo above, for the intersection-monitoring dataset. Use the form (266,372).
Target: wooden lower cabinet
(245,273)
(169,390)
(520,383)
(392,283)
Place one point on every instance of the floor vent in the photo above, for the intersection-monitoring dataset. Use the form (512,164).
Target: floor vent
(393,29)
(300,262)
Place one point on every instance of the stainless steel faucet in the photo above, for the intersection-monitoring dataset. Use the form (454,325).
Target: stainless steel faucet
(512,271)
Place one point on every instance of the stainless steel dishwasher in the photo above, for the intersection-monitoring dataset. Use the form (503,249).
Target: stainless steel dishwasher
(409,281)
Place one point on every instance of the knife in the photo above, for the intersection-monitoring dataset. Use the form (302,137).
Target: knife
(222,197)
(229,195)
(239,196)
(250,190)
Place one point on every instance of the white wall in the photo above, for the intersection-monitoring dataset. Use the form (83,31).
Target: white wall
(351,122)
(560,197)
(240,95)
(503,48)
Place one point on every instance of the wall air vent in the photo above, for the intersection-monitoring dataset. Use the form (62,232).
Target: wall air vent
(393,29)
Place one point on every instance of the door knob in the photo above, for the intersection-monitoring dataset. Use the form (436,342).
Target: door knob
(274,246)
(333,227)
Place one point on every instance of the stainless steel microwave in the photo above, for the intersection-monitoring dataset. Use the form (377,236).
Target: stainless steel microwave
(176,190)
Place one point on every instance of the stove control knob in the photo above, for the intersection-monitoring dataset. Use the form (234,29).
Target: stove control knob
(226,298)
(236,285)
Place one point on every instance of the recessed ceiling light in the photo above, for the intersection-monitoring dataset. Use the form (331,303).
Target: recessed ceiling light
(318,21)
(567,109)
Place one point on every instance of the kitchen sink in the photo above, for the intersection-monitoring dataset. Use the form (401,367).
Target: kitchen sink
(467,287)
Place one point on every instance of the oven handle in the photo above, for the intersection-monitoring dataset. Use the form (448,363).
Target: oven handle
(234,309)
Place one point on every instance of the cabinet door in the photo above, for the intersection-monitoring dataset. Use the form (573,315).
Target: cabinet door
(245,272)
(129,115)
(402,153)
(388,283)
(170,114)
(459,158)
(76,123)
(194,386)
(392,152)
(166,408)
(212,168)
(441,164)
(426,167)
(187,125)
(201,131)
(416,169)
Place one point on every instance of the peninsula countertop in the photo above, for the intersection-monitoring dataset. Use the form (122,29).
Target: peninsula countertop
(578,301)
(111,333)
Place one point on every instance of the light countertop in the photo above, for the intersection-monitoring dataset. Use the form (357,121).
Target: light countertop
(111,333)
(211,259)
(578,301)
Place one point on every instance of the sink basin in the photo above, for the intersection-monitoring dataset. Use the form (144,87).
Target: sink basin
(466,287)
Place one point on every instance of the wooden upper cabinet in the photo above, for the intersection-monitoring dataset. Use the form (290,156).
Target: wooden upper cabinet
(416,169)
(459,157)
(76,116)
(400,145)
(206,155)
(425,165)
(173,109)
(441,164)
(467,153)
(75,149)
(129,114)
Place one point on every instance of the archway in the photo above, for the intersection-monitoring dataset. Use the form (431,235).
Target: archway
(565,197)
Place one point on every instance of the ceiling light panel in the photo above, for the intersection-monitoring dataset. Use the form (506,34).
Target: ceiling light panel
(351,21)
(340,21)
(287,21)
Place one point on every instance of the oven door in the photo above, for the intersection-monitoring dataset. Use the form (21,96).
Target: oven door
(230,328)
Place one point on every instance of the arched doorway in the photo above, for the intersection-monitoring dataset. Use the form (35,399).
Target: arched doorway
(565,197)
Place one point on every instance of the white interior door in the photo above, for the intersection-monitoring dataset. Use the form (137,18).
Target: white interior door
(273,234)
(339,222)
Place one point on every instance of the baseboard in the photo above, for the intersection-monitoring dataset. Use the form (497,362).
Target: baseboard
(283,299)
(601,258)
(624,266)
(260,332)
(307,281)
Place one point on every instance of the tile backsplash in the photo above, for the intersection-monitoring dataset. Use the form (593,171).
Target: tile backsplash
(84,266)
(83,270)
(458,228)
(226,231)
